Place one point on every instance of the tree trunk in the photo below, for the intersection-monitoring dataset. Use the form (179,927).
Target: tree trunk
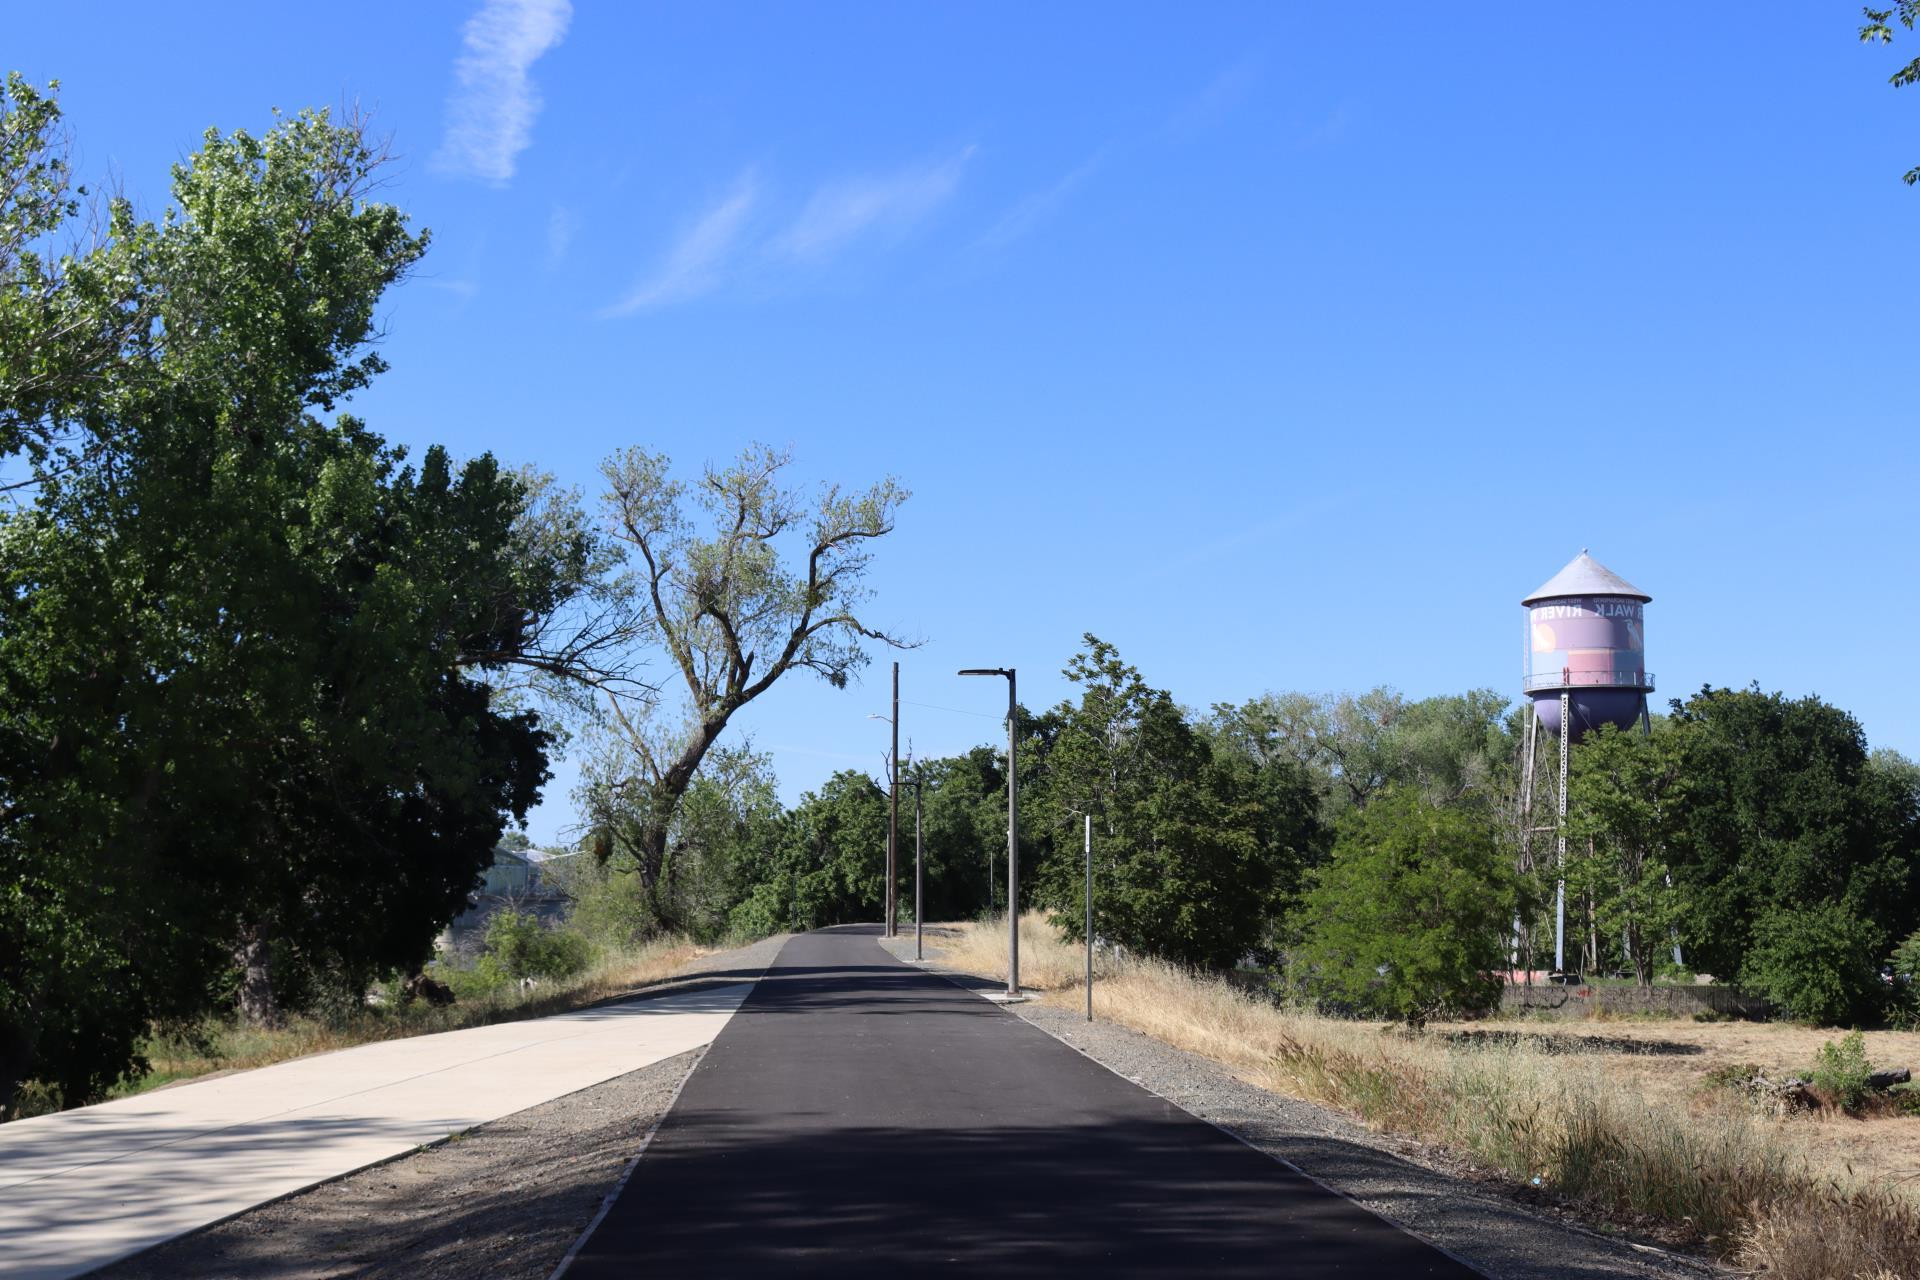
(16,1059)
(652,859)
(257,1004)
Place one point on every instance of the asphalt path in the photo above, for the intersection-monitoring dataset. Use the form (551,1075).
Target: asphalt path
(859,1116)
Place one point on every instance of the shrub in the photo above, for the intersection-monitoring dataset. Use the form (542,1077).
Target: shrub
(1903,1000)
(1409,917)
(1732,1075)
(608,906)
(1841,1072)
(519,946)
(1906,957)
(1817,964)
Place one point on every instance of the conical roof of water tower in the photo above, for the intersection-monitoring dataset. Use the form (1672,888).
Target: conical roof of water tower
(1585,576)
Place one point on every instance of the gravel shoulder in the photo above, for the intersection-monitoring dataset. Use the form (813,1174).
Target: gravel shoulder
(1416,1187)
(506,1199)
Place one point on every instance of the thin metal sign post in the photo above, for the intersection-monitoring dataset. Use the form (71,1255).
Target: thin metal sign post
(1089,917)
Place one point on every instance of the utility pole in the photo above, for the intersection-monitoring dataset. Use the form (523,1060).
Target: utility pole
(893,810)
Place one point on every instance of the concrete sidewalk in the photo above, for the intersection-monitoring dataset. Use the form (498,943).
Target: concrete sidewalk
(85,1187)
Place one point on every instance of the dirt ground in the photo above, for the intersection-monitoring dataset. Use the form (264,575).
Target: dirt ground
(1670,1059)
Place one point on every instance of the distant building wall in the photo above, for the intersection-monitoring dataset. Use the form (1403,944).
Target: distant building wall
(510,882)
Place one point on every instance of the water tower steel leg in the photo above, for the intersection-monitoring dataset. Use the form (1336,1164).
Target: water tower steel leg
(1560,848)
(1526,832)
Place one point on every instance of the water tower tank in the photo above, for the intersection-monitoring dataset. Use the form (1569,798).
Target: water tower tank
(1586,637)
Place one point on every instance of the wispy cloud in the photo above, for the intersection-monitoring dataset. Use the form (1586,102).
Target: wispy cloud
(1220,96)
(1216,99)
(561,224)
(698,262)
(841,212)
(1252,535)
(1331,130)
(460,288)
(490,115)
(716,250)
(1040,205)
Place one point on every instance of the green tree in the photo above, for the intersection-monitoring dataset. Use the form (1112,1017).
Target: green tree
(1357,745)
(964,832)
(248,715)
(1816,963)
(1193,854)
(1409,917)
(518,947)
(829,865)
(1878,29)
(65,319)
(1786,813)
(1456,747)
(1627,795)
(730,615)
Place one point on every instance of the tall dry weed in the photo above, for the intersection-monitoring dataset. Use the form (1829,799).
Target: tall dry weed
(1723,1178)
(1834,1234)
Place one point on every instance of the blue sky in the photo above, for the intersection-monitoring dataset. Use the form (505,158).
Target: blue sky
(1283,346)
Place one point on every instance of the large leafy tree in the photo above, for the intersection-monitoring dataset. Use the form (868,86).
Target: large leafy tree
(1818,964)
(1192,853)
(1358,745)
(964,832)
(1786,811)
(726,830)
(246,654)
(69,309)
(1409,918)
(732,583)
(1628,796)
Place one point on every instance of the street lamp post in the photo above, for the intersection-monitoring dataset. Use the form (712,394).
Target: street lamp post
(1013,826)
(893,814)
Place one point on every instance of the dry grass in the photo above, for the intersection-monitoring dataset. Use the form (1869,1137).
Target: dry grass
(219,1047)
(1737,1181)
(1667,1060)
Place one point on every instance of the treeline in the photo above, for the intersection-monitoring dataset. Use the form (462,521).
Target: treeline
(1366,849)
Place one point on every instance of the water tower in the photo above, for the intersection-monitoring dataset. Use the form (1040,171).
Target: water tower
(1586,666)
(1587,649)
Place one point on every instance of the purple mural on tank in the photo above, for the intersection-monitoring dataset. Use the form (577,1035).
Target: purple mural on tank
(1586,638)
